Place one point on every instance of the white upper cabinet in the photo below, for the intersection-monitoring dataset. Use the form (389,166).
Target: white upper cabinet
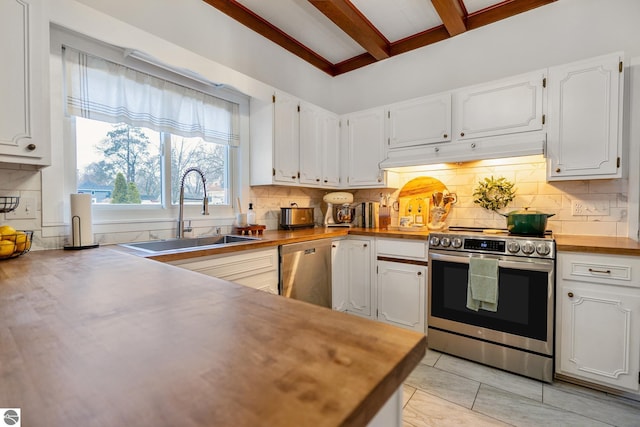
(420,121)
(502,107)
(311,134)
(300,139)
(585,119)
(286,137)
(319,147)
(331,154)
(364,135)
(24,112)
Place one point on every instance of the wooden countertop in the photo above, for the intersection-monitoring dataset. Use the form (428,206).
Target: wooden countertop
(101,337)
(273,238)
(597,244)
(569,243)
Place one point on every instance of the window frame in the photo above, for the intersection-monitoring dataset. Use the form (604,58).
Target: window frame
(166,211)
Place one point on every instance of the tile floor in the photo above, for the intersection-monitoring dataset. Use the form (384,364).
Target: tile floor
(447,391)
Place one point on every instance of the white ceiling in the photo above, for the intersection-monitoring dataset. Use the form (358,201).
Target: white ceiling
(341,35)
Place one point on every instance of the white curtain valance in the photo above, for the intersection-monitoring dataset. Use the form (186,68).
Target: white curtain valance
(103,90)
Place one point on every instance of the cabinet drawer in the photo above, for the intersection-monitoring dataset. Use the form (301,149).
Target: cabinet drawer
(406,249)
(236,266)
(614,270)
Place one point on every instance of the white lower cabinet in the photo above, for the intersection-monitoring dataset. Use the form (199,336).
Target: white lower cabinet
(401,294)
(352,276)
(257,269)
(382,279)
(598,319)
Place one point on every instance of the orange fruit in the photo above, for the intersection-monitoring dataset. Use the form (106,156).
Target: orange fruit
(6,248)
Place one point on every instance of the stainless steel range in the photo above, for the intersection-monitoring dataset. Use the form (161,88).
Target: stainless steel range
(516,333)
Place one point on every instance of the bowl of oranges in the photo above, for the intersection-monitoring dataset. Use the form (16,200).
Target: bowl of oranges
(14,243)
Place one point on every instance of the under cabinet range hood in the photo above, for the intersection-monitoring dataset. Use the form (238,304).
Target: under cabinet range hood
(496,147)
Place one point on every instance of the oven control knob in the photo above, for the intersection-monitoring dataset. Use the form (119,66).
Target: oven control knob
(445,242)
(513,247)
(434,241)
(543,249)
(456,242)
(528,248)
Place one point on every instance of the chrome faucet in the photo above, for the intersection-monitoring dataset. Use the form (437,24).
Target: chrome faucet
(205,201)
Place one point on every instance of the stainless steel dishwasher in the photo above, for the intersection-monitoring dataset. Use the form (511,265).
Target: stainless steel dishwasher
(305,271)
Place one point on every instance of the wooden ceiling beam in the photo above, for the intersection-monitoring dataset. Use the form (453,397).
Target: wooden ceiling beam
(452,16)
(249,19)
(419,40)
(354,63)
(351,21)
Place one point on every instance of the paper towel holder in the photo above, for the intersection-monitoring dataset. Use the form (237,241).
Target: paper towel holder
(73,245)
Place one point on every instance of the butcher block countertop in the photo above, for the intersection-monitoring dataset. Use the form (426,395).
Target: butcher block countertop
(100,337)
(597,244)
(568,243)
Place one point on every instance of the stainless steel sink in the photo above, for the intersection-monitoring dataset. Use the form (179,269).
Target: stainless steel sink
(173,245)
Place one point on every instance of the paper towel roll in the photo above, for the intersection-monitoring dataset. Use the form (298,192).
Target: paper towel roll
(81,221)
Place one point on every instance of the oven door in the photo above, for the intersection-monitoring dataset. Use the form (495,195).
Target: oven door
(525,314)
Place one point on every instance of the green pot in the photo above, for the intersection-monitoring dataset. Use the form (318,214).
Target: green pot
(526,222)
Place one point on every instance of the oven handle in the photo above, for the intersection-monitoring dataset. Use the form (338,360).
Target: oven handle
(522,263)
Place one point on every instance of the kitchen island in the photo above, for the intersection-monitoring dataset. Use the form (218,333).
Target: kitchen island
(102,338)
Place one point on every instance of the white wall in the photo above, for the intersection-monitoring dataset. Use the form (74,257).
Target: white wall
(557,33)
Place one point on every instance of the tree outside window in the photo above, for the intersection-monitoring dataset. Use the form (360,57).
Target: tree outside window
(122,164)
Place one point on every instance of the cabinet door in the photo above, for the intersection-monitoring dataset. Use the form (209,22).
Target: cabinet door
(401,294)
(585,119)
(311,140)
(331,151)
(286,138)
(358,255)
(24,116)
(600,334)
(421,121)
(365,139)
(503,107)
(339,275)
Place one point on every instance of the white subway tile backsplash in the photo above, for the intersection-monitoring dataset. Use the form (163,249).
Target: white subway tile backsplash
(529,176)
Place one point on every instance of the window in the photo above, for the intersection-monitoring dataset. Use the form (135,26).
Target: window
(122,164)
(136,134)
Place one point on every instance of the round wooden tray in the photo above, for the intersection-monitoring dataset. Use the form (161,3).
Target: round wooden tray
(417,193)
